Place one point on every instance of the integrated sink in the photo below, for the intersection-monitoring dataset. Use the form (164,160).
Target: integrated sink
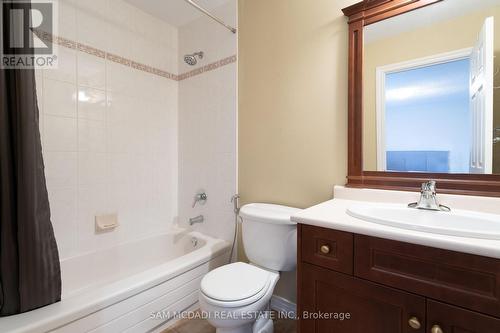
(455,223)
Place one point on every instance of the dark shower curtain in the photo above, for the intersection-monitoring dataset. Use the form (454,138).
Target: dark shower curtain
(29,261)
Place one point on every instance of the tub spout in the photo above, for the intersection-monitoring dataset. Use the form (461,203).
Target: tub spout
(197,219)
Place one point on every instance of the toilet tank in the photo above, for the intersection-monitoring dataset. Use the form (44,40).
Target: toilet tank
(269,237)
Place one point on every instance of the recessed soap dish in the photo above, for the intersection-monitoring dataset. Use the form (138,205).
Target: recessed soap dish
(107,222)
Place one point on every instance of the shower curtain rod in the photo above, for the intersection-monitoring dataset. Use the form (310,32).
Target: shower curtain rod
(206,12)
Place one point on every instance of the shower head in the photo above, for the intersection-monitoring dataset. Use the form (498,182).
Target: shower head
(191,60)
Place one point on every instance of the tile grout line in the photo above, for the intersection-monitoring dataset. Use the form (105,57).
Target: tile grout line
(78,154)
(45,36)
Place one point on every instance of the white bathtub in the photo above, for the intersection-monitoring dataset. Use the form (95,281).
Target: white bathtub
(118,289)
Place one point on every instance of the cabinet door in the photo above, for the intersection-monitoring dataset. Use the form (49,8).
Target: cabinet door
(372,308)
(447,319)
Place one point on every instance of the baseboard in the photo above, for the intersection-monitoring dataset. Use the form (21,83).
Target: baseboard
(283,305)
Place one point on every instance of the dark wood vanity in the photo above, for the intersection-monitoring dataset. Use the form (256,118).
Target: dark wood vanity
(355,283)
(388,286)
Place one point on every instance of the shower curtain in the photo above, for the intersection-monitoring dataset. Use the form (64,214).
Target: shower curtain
(30,274)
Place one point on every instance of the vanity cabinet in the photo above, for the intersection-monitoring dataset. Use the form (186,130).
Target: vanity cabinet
(372,307)
(389,286)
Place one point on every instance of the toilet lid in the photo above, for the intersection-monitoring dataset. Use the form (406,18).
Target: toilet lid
(235,282)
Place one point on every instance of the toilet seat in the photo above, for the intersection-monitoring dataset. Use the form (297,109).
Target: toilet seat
(235,285)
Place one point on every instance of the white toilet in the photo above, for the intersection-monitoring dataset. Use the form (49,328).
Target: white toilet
(236,295)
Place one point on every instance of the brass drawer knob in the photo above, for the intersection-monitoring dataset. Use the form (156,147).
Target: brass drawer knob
(436,329)
(414,323)
(325,249)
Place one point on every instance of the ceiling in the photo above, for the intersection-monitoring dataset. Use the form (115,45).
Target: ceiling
(426,16)
(175,12)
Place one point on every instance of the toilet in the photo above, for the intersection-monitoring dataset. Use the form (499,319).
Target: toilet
(236,296)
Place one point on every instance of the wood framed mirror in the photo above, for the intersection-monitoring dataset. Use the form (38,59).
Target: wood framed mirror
(423,104)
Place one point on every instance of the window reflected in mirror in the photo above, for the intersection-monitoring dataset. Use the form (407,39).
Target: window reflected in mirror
(429,90)
(431,99)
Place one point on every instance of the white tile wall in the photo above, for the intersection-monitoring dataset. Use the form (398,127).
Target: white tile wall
(91,71)
(208,125)
(109,132)
(119,140)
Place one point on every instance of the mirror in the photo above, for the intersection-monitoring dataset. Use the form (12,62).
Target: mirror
(431,90)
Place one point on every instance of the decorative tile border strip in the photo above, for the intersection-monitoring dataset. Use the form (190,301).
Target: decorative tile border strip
(91,50)
(130,63)
(118,59)
(45,36)
(209,67)
(69,43)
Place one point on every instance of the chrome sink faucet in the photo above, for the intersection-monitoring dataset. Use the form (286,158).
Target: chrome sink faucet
(428,199)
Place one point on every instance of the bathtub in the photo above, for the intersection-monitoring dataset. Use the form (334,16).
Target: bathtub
(133,287)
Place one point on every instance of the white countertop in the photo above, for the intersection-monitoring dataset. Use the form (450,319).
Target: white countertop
(332,214)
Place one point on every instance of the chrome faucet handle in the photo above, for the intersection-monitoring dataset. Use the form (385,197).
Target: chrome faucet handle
(429,187)
(200,197)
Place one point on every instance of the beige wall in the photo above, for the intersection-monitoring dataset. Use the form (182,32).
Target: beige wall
(454,34)
(292,103)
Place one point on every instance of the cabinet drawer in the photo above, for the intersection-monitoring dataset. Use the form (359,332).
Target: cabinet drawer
(327,248)
(453,319)
(466,280)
